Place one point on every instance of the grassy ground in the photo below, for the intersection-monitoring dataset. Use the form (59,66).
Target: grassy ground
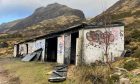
(30,72)
(38,72)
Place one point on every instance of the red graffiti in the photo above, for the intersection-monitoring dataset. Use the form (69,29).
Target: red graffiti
(100,37)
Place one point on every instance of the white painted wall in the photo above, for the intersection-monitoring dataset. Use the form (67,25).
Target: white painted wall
(60,49)
(40,44)
(94,48)
(15,51)
(31,47)
(22,49)
(78,50)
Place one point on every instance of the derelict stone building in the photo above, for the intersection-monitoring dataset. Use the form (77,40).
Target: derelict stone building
(74,45)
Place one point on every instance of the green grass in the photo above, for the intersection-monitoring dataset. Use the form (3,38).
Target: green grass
(37,72)
(31,72)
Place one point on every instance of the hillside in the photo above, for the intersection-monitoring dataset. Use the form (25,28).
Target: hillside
(127,11)
(6,26)
(43,21)
(49,25)
(51,11)
(55,17)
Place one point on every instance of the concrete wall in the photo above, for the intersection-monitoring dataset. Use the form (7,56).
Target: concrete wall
(41,44)
(31,47)
(79,48)
(15,50)
(60,49)
(78,51)
(63,49)
(67,48)
(94,43)
(22,49)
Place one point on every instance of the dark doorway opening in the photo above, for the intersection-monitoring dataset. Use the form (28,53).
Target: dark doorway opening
(27,48)
(74,36)
(52,50)
(17,50)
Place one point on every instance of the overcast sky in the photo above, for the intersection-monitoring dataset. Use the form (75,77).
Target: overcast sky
(16,9)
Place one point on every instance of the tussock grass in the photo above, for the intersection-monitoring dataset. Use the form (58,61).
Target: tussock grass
(91,75)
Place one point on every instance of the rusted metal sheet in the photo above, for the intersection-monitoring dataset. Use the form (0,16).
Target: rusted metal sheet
(33,56)
(29,57)
(59,74)
(38,54)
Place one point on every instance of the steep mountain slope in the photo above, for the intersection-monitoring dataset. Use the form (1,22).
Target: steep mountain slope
(125,6)
(127,11)
(44,13)
(49,25)
(6,26)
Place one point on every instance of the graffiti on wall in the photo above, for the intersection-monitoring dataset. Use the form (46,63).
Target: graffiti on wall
(61,45)
(60,50)
(100,37)
(99,42)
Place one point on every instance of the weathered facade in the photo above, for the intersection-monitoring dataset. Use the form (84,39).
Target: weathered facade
(78,44)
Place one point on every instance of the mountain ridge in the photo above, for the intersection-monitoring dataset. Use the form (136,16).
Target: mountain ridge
(43,13)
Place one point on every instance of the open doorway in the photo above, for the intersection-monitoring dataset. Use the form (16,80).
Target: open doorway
(74,36)
(52,50)
(27,48)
